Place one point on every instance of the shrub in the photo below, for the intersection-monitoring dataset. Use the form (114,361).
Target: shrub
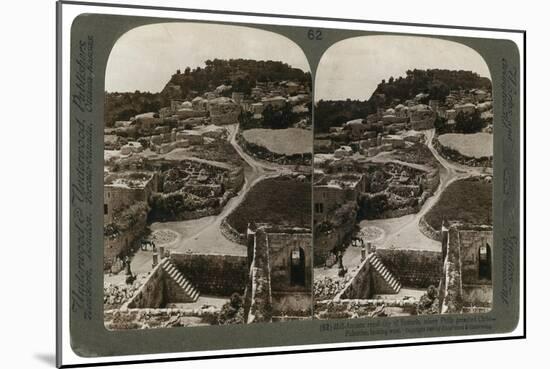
(232,312)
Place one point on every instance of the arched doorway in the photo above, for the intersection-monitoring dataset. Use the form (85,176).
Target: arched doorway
(484,258)
(297,267)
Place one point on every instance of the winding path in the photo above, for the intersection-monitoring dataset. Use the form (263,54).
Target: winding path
(203,235)
(404,232)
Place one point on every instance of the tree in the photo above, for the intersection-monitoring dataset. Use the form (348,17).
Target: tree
(440,125)
(469,123)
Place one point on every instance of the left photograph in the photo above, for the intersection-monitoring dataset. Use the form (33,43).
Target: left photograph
(207,178)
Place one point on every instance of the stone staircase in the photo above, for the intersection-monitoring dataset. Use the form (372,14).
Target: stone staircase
(390,280)
(184,289)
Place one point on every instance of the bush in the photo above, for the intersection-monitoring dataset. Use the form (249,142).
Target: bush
(429,302)
(232,312)
(169,207)
(469,123)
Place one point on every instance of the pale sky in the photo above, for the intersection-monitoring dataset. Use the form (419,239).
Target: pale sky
(353,68)
(146,57)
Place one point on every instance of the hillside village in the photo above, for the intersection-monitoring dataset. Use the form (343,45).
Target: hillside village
(399,194)
(173,179)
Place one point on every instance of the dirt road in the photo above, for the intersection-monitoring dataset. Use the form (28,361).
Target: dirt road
(404,232)
(203,235)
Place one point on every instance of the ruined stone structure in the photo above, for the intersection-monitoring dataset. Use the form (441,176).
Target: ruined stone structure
(421,118)
(466,280)
(274,279)
(335,202)
(125,207)
(280,272)
(223,111)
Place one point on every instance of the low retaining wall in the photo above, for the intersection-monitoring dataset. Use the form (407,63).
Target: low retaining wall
(428,231)
(231,233)
(263,153)
(362,308)
(413,268)
(151,294)
(360,285)
(291,303)
(219,275)
(396,213)
(454,155)
(122,319)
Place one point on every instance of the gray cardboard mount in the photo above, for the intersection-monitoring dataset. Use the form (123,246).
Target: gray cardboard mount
(92,37)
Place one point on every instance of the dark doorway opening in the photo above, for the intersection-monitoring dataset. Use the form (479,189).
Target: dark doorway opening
(297,267)
(485,262)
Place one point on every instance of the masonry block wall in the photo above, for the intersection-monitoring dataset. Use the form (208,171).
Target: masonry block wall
(450,295)
(219,275)
(122,242)
(280,247)
(360,286)
(152,292)
(326,199)
(470,243)
(295,303)
(260,296)
(379,285)
(413,268)
(325,242)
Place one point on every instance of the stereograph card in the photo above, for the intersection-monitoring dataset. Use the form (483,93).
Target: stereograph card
(245,184)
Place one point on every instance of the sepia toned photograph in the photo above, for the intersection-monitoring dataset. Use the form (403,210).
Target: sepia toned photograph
(236,184)
(402,183)
(207,178)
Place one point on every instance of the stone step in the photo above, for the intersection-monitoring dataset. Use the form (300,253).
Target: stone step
(188,291)
(384,272)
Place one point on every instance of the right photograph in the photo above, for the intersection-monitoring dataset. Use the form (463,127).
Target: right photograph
(403,179)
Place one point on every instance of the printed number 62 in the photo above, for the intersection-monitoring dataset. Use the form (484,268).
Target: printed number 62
(314,34)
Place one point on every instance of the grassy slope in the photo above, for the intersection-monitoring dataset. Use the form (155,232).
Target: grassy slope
(276,201)
(468,201)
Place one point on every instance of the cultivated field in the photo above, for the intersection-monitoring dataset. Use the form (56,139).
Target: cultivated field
(289,141)
(469,201)
(276,201)
(474,145)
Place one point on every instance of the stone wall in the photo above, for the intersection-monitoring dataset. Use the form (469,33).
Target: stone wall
(231,233)
(478,295)
(360,285)
(223,111)
(455,156)
(470,243)
(280,246)
(122,242)
(413,268)
(262,153)
(295,303)
(151,294)
(326,241)
(428,231)
(117,319)
(330,197)
(213,274)
(450,294)
(361,308)
(261,309)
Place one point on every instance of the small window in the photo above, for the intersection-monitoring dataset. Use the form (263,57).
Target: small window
(105,209)
(319,208)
